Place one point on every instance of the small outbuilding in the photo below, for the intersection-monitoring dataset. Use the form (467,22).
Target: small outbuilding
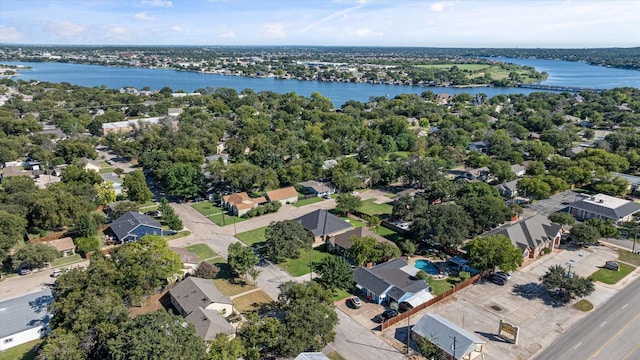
(453,341)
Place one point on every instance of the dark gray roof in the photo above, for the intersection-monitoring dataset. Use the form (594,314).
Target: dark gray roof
(25,312)
(390,274)
(531,232)
(321,222)
(209,323)
(311,356)
(441,332)
(123,225)
(632,179)
(192,293)
(344,240)
(603,209)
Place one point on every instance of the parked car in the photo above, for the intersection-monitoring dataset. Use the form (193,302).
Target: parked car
(24,271)
(497,280)
(355,302)
(503,275)
(56,273)
(386,315)
(326,196)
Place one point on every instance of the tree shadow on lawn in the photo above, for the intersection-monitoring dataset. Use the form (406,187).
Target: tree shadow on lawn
(532,291)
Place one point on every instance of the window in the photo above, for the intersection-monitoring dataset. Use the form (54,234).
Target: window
(8,340)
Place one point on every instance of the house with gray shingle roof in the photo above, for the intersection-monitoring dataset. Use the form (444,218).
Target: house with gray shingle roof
(321,223)
(201,303)
(532,235)
(132,226)
(390,282)
(25,318)
(442,333)
(342,242)
(604,207)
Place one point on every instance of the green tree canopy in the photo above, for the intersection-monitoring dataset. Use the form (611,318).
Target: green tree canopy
(487,253)
(567,286)
(241,258)
(33,255)
(335,273)
(347,204)
(12,228)
(285,239)
(136,186)
(562,218)
(184,181)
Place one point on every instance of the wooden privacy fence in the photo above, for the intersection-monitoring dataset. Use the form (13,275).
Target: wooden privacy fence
(435,300)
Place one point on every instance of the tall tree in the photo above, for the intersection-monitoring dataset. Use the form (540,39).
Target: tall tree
(567,286)
(184,181)
(285,239)
(12,229)
(136,186)
(442,225)
(335,273)
(241,258)
(33,255)
(156,335)
(347,204)
(221,348)
(487,253)
(86,226)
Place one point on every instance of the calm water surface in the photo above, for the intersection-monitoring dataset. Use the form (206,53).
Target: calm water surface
(560,73)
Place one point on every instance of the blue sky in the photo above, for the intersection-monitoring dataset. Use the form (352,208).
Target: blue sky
(461,23)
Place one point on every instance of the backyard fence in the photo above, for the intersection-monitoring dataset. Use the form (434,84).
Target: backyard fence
(436,299)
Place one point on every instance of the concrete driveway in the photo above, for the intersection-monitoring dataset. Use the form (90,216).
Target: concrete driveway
(364,316)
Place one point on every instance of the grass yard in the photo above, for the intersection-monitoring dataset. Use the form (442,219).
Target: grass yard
(335,356)
(340,294)
(629,257)
(206,208)
(179,235)
(308,201)
(222,219)
(470,67)
(253,237)
(300,266)
(440,286)
(388,234)
(203,251)
(106,170)
(583,305)
(354,223)
(67,260)
(251,301)
(611,276)
(233,288)
(370,208)
(21,352)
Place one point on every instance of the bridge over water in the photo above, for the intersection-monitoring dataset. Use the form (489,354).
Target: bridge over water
(573,89)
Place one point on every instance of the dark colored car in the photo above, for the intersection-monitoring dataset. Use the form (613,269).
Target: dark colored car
(355,302)
(497,280)
(386,315)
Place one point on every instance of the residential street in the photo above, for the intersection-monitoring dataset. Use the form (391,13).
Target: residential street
(19,285)
(352,339)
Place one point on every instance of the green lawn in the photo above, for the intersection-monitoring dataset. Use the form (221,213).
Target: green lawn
(611,276)
(440,286)
(106,170)
(253,237)
(300,266)
(206,208)
(203,251)
(629,257)
(583,305)
(179,235)
(308,201)
(354,223)
(66,260)
(335,356)
(370,208)
(340,294)
(388,233)
(222,219)
(470,67)
(21,352)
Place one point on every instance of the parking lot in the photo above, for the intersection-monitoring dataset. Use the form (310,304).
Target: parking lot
(522,302)
(365,314)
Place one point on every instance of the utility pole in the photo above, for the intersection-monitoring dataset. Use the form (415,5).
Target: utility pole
(408,331)
(453,356)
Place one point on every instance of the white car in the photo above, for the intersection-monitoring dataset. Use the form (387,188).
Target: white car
(56,273)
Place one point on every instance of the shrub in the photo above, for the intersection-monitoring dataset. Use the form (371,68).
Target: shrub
(87,244)
(407,247)
(422,275)
(546,250)
(206,270)
(464,275)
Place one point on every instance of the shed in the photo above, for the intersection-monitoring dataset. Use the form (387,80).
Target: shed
(452,340)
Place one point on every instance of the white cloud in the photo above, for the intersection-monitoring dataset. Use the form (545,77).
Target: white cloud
(176,29)
(228,35)
(9,33)
(158,3)
(274,31)
(143,16)
(65,29)
(437,7)
(366,32)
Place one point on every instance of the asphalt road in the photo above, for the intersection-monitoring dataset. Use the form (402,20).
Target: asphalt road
(20,285)
(612,331)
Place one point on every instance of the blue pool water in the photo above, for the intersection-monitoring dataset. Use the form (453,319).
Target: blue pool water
(427,266)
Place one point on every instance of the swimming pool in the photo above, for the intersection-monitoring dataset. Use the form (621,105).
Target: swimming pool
(427,266)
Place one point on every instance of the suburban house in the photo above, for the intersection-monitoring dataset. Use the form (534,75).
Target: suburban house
(316,188)
(117,182)
(64,246)
(132,226)
(287,195)
(480,146)
(571,152)
(342,242)
(508,190)
(532,235)
(219,157)
(201,303)
(129,125)
(240,203)
(392,282)
(471,174)
(311,356)
(634,181)
(189,260)
(443,98)
(518,169)
(443,333)
(25,318)
(90,164)
(11,171)
(604,207)
(321,223)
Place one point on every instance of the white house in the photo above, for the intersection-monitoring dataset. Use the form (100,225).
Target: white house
(24,318)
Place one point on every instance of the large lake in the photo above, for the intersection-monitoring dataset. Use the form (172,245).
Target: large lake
(564,73)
